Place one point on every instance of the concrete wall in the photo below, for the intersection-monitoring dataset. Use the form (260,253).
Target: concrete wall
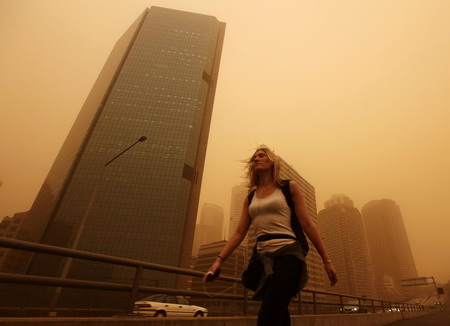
(306,320)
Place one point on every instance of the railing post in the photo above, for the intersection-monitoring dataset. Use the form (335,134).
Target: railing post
(300,308)
(341,301)
(245,303)
(314,303)
(134,290)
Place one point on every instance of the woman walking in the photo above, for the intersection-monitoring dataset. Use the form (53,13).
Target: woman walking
(280,247)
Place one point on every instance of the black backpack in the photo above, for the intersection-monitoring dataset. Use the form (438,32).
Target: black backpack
(295,224)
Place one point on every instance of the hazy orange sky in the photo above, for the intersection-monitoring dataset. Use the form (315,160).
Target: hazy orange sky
(354,94)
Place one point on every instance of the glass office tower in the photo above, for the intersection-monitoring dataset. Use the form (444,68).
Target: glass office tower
(158,82)
(342,230)
(389,249)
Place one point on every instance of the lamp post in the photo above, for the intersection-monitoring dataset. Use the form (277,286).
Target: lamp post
(143,138)
(77,236)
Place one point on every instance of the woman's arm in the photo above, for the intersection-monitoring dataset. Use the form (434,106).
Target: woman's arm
(234,241)
(311,230)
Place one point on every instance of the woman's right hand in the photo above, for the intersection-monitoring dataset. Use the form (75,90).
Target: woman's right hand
(234,242)
(214,267)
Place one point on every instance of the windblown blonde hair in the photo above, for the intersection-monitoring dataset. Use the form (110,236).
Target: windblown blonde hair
(252,177)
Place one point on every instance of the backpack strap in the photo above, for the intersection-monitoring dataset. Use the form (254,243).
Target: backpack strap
(287,193)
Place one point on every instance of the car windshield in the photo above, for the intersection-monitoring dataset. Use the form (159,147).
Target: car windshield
(352,303)
(156,297)
(165,298)
(182,300)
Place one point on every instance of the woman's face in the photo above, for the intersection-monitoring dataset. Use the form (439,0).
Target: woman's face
(261,161)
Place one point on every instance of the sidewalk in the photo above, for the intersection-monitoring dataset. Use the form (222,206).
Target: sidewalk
(369,319)
(437,319)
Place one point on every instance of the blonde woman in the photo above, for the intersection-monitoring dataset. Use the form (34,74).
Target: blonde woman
(281,245)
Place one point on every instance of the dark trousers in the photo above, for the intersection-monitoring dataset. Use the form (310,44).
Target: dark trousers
(280,287)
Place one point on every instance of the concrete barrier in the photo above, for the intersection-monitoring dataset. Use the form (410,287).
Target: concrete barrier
(370,319)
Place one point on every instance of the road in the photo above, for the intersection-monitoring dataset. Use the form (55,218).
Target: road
(437,319)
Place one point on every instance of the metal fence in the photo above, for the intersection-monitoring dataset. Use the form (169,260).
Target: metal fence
(307,301)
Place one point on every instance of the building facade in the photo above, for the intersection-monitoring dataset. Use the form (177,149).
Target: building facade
(389,249)
(210,228)
(341,227)
(158,82)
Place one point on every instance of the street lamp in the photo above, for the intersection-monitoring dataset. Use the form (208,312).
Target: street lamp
(80,229)
(143,138)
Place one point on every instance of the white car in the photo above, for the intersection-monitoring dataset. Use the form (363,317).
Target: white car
(164,305)
(394,309)
(352,307)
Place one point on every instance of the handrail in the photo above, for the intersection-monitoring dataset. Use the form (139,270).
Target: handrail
(73,283)
(135,287)
(75,253)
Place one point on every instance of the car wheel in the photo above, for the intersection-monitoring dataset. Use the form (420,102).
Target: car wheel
(198,314)
(160,314)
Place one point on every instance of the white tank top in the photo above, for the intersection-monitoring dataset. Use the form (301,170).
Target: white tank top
(271,215)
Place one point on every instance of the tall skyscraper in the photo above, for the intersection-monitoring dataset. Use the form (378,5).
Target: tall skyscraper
(389,248)
(210,228)
(341,227)
(159,81)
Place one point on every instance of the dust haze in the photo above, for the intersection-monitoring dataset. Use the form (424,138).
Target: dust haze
(354,95)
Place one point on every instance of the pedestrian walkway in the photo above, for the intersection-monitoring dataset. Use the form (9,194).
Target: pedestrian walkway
(373,319)
(437,319)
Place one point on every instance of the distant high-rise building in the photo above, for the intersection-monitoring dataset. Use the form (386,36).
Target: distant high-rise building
(238,194)
(210,228)
(338,199)
(212,215)
(9,228)
(342,230)
(159,81)
(389,248)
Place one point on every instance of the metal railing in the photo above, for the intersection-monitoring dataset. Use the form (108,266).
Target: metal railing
(318,300)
